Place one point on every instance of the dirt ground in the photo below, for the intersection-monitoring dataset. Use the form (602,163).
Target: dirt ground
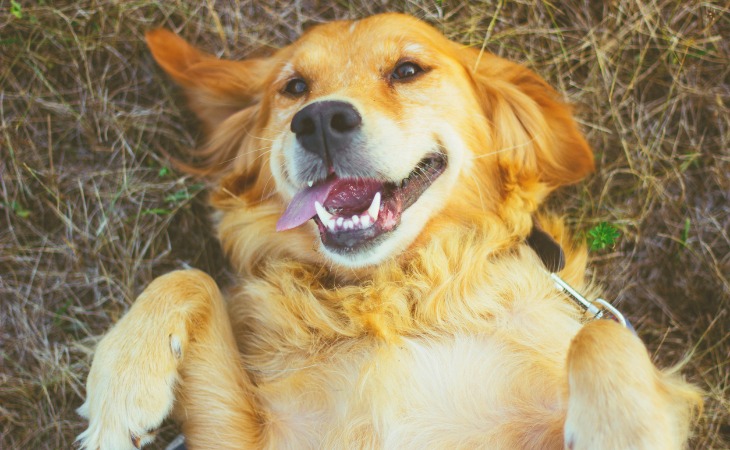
(91,210)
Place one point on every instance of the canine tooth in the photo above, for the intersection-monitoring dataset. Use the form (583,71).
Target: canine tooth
(375,207)
(356,220)
(331,224)
(310,183)
(324,216)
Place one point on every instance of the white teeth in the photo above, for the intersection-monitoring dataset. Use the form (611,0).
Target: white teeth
(356,222)
(365,221)
(324,216)
(375,207)
(310,183)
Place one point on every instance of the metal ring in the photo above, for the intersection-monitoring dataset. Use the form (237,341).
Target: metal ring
(619,317)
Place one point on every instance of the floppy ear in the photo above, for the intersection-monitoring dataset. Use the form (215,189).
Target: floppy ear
(216,88)
(534,135)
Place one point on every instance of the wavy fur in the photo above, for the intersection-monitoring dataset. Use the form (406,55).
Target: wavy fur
(456,339)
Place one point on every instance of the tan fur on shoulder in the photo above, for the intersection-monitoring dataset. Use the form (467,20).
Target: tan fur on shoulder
(431,324)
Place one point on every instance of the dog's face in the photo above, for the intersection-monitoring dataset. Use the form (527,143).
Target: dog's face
(374,130)
(369,135)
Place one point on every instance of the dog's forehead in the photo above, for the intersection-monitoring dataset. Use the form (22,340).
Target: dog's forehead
(371,42)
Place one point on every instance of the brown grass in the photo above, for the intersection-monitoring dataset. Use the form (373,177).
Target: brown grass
(90,216)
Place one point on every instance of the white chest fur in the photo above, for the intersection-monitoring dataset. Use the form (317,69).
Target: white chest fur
(463,391)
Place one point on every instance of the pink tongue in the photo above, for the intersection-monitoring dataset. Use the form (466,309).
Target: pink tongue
(301,207)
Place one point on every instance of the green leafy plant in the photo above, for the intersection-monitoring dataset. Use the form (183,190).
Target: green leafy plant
(58,316)
(16,9)
(602,236)
(156,211)
(18,209)
(184,194)
(685,231)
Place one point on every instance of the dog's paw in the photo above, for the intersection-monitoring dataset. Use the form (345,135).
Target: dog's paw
(130,388)
(618,399)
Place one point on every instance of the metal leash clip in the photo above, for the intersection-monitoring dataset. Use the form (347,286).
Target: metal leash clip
(599,309)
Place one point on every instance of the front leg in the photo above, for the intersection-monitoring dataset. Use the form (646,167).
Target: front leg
(176,339)
(618,399)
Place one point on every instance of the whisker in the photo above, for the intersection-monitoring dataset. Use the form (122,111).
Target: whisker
(507,149)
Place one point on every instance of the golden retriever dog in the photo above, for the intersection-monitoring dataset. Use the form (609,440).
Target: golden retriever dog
(376,187)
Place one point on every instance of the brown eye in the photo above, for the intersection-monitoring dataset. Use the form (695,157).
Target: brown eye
(406,70)
(296,87)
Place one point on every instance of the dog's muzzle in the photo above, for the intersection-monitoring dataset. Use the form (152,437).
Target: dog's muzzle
(326,128)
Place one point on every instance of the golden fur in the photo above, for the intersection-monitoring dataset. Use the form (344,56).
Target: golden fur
(450,335)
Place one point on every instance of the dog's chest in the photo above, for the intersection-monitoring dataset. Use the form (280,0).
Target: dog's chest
(447,392)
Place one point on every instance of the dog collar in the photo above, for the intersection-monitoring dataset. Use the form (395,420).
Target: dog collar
(553,258)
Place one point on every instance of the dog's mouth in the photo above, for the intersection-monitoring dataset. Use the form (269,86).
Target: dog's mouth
(355,213)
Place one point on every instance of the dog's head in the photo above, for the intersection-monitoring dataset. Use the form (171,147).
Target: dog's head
(363,135)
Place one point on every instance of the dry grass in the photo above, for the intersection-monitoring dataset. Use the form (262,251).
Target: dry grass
(92,212)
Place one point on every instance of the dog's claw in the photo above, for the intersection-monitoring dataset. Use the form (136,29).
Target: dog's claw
(176,346)
(136,440)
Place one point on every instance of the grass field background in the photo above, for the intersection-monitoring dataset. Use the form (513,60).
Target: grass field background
(91,210)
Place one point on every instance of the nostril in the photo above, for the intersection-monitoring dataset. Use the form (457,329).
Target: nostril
(303,124)
(307,126)
(345,120)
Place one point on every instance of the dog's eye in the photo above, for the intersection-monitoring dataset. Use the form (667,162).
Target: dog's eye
(406,70)
(296,87)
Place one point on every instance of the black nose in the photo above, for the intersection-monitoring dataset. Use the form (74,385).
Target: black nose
(326,128)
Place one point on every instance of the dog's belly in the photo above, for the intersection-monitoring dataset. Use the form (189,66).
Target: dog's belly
(486,391)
